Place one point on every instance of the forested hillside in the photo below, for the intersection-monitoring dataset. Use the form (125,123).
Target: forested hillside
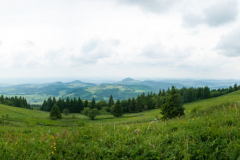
(127,88)
(142,102)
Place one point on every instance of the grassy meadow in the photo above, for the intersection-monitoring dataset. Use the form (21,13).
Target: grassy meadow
(209,130)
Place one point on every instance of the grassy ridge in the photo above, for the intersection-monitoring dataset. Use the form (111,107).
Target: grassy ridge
(19,114)
(210,130)
(204,104)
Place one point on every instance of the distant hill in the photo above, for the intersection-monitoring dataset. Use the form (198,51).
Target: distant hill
(155,86)
(126,88)
(128,81)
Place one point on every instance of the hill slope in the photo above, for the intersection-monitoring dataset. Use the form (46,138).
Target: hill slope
(127,88)
(41,117)
(209,133)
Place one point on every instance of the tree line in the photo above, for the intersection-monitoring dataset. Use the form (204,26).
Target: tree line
(144,101)
(192,94)
(15,102)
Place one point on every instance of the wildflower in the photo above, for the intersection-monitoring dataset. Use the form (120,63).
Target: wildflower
(53,152)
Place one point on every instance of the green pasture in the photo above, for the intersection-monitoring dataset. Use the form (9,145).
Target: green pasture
(209,130)
(42,118)
(204,104)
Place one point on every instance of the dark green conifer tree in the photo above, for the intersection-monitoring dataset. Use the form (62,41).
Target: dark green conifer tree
(93,104)
(207,93)
(133,105)
(125,106)
(54,100)
(160,93)
(43,106)
(138,105)
(60,104)
(163,93)
(86,103)
(173,106)
(75,106)
(111,101)
(55,113)
(67,104)
(158,103)
(80,104)
(129,105)
(49,104)
(118,110)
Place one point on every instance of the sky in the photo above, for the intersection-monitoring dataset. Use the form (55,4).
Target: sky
(120,38)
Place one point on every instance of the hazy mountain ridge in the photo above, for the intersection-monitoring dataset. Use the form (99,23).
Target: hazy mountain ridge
(126,88)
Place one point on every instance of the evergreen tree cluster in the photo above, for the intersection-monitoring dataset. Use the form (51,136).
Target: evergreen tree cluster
(151,100)
(192,94)
(144,101)
(15,102)
(73,105)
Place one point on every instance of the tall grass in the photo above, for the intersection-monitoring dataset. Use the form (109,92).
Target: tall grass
(208,134)
(210,130)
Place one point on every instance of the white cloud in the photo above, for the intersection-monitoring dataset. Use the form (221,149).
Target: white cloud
(219,13)
(229,45)
(155,6)
(192,20)
(95,50)
(30,43)
(129,37)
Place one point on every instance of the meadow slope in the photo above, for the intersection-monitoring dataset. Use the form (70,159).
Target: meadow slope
(210,130)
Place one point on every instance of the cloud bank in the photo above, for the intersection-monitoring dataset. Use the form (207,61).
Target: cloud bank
(229,45)
(220,13)
(126,38)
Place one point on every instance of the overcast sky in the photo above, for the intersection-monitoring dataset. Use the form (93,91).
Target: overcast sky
(120,38)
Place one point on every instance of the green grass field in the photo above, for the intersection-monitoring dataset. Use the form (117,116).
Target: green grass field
(210,130)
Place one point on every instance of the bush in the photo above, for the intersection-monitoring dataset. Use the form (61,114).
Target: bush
(91,113)
(66,112)
(80,123)
(105,109)
(53,118)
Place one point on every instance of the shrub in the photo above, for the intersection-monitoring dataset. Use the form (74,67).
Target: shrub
(80,123)
(53,118)
(91,113)
(66,112)
(106,109)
